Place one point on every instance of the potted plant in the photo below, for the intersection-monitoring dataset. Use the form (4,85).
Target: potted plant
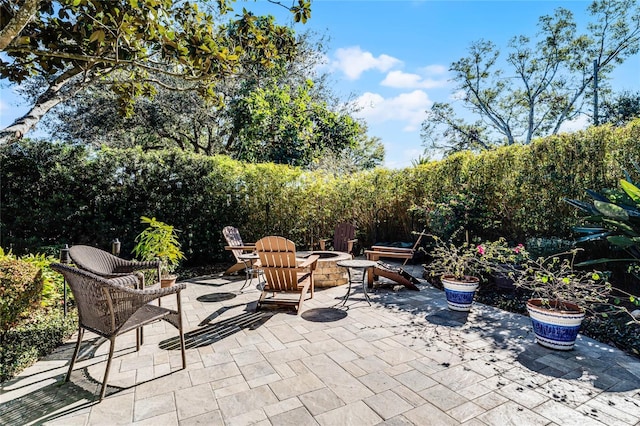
(459,268)
(561,295)
(159,241)
(502,259)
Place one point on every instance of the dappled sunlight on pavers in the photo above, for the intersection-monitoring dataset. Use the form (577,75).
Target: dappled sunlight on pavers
(404,360)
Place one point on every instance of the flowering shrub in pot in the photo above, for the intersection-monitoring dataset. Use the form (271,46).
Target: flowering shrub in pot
(561,295)
(459,268)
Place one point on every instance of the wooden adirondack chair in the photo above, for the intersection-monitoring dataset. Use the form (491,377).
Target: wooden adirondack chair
(284,274)
(344,238)
(237,247)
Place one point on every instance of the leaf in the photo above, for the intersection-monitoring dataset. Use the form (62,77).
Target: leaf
(97,36)
(611,210)
(632,191)
(621,241)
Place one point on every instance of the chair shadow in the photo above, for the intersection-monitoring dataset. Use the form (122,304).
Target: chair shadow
(47,403)
(210,333)
(323,314)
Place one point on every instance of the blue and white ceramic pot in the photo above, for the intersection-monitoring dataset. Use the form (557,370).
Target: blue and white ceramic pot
(460,292)
(555,328)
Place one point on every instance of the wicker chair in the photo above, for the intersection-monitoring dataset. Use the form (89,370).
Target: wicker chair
(106,265)
(110,308)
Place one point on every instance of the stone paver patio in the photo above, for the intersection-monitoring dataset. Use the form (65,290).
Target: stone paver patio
(407,360)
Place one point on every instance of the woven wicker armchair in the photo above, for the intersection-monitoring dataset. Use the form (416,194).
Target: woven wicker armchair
(109,308)
(106,265)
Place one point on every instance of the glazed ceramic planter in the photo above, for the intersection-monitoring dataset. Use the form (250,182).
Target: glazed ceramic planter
(459,293)
(555,328)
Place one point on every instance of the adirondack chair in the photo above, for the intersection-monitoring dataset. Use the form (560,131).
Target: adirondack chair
(344,238)
(284,274)
(237,247)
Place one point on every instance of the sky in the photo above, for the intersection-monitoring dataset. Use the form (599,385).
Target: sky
(393,57)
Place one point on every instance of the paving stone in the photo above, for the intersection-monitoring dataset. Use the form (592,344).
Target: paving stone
(388,404)
(457,377)
(465,412)
(321,401)
(511,413)
(195,401)
(167,419)
(114,410)
(442,397)
(397,421)
(297,385)
(220,371)
(561,414)
(254,417)
(295,417)
(282,406)
(244,402)
(153,406)
(378,381)
(371,364)
(357,413)
(415,380)
(522,395)
(428,414)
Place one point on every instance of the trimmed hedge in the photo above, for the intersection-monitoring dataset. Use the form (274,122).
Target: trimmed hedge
(57,193)
(32,338)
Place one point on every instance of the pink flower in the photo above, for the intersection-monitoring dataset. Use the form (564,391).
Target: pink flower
(518,248)
(480,249)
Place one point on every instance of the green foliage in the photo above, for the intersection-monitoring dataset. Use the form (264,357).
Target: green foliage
(159,241)
(130,45)
(52,194)
(34,337)
(21,286)
(457,260)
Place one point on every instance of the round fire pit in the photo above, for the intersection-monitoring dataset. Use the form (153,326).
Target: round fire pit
(327,273)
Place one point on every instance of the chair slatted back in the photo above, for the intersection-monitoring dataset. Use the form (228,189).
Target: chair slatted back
(343,233)
(232,235)
(278,261)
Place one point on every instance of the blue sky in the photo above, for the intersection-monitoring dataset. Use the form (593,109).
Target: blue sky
(393,56)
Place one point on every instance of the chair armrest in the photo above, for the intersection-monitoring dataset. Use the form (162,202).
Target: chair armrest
(309,262)
(133,265)
(244,247)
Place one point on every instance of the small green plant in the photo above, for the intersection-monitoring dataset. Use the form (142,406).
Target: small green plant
(159,241)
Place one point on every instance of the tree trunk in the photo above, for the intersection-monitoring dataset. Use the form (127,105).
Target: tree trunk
(12,30)
(58,92)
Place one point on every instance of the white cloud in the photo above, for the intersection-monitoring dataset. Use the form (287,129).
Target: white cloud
(579,123)
(353,61)
(403,80)
(435,70)
(406,107)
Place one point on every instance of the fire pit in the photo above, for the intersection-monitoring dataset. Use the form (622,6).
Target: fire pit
(327,273)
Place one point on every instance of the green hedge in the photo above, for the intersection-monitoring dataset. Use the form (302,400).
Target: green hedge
(54,193)
(32,338)
(21,287)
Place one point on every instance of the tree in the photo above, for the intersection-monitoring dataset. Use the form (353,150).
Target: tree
(268,113)
(545,83)
(69,44)
(621,109)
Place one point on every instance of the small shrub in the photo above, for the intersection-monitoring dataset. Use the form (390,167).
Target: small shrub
(34,337)
(21,285)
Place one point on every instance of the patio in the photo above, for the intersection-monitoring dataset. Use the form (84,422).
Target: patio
(405,360)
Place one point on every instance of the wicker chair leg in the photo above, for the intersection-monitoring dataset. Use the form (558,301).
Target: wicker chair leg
(75,353)
(112,344)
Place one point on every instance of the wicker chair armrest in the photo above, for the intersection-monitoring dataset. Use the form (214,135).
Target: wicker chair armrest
(132,266)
